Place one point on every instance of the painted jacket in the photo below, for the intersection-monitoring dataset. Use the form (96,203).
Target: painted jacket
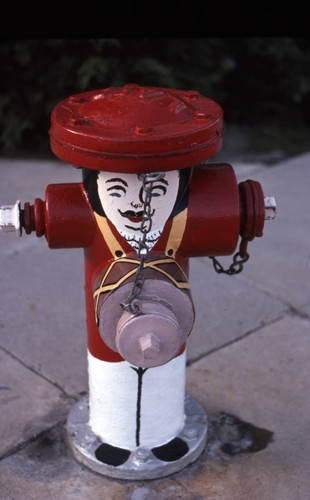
(208,226)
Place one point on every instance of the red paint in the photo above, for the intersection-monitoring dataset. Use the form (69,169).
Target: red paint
(213,226)
(69,222)
(253,209)
(252,206)
(134,218)
(136,129)
(214,212)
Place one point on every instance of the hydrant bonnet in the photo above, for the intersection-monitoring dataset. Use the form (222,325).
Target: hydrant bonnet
(136,129)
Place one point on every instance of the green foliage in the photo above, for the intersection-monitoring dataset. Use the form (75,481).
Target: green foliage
(254,79)
(271,79)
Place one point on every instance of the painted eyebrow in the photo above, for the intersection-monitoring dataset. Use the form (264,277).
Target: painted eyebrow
(117,179)
(163,181)
(117,188)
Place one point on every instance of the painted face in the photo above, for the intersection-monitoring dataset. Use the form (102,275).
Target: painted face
(121,196)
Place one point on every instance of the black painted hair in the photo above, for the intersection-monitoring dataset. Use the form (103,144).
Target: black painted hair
(90,185)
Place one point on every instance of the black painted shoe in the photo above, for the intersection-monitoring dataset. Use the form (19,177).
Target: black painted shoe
(174,450)
(111,455)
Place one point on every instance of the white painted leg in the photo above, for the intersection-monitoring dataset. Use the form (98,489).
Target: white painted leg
(137,424)
(131,408)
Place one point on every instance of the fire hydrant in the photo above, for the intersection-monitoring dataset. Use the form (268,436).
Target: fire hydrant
(148,202)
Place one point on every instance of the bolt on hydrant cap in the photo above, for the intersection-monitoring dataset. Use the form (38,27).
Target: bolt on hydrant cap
(151,338)
(136,129)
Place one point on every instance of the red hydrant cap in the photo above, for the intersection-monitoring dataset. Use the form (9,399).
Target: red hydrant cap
(136,129)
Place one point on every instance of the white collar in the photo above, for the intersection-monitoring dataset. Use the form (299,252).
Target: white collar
(133,239)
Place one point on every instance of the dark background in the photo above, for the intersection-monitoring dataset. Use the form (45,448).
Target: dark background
(262,82)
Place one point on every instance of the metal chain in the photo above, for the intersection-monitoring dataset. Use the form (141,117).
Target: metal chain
(148,180)
(238,260)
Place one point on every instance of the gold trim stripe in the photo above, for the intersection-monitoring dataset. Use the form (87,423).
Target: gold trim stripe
(176,233)
(174,239)
(173,243)
(108,236)
(153,265)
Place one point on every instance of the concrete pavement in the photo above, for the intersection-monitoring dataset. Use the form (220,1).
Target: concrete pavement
(248,356)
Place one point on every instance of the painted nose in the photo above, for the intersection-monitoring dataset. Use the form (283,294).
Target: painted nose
(136,205)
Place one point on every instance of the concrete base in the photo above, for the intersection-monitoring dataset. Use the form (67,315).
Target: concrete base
(141,463)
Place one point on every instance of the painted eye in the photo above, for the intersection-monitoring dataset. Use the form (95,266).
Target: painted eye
(158,191)
(117,187)
(116,191)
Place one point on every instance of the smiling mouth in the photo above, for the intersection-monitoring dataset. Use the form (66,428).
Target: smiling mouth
(132,216)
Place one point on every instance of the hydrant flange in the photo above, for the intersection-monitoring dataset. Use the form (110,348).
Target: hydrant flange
(141,463)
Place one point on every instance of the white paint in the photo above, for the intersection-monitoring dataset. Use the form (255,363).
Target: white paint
(10,218)
(270,208)
(121,195)
(134,239)
(113,389)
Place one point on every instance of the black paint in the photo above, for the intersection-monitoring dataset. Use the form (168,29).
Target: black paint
(140,372)
(174,450)
(111,455)
(91,188)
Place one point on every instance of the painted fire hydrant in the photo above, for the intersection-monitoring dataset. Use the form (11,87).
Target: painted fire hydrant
(148,202)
